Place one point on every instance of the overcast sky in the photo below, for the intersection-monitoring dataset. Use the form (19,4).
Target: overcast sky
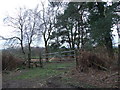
(8,7)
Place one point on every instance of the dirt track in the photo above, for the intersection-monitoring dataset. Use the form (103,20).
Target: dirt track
(69,78)
(50,82)
(54,81)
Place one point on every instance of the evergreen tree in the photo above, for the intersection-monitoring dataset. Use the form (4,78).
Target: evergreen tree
(101,21)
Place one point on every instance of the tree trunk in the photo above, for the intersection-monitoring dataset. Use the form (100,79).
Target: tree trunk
(21,43)
(82,31)
(70,45)
(108,44)
(69,41)
(76,58)
(118,31)
(40,61)
(78,41)
(73,43)
(29,56)
(22,48)
(46,51)
(119,54)
(82,40)
(29,60)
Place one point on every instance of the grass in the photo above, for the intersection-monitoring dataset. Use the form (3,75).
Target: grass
(35,57)
(50,69)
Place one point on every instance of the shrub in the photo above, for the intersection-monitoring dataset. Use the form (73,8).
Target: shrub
(9,62)
(87,59)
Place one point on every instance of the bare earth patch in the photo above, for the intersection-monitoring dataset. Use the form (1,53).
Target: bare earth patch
(100,79)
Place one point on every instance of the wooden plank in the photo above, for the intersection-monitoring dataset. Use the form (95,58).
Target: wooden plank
(59,52)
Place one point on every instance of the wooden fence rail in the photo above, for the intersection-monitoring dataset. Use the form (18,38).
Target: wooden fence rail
(62,55)
(56,57)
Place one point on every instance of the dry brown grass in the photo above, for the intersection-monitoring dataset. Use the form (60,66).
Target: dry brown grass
(100,79)
(9,62)
(88,59)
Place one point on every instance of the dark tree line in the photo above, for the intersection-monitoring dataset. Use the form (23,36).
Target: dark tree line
(86,24)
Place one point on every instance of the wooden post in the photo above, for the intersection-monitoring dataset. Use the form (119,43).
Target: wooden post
(40,61)
(76,59)
(29,60)
(60,56)
(75,55)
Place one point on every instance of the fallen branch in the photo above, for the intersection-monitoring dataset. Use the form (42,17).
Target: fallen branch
(100,66)
(109,76)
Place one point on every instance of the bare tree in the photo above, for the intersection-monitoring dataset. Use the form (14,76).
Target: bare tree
(32,28)
(48,20)
(17,23)
(26,25)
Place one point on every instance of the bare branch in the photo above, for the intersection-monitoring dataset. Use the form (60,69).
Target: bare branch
(10,38)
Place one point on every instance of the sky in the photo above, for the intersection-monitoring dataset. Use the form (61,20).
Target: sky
(8,7)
